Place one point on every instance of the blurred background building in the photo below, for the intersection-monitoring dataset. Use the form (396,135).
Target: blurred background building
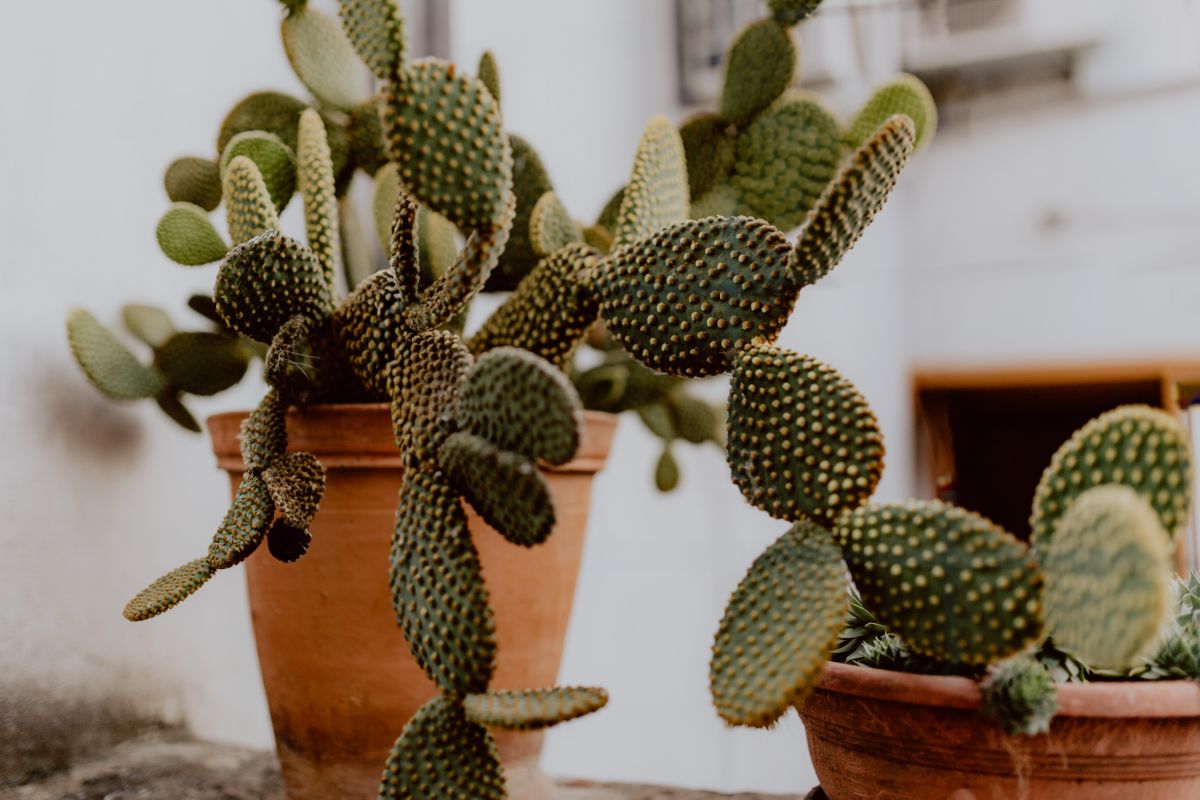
(1053,223)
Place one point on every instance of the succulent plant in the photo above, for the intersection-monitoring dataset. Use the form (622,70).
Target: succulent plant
(1019,694)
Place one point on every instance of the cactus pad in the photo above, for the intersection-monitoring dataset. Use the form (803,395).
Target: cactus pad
(802,440)
(853,199)
(684,300)
(1019,694)
(519,402)
(297,483)
(187,237)
(168,401)
(286,542)
(779,628)
(147,323)
(904,94)
(530,182)
(317,187)
(275,161)
(549,312)
(657,192)
(263,435)
(376,30)
(168,591)
(666,471)
(267,281)
(368,324)
(365,135)
(445,133)
(437,586)
(789,12)
(244,525)
(107,363)
(504,488)
(709,150)
(952,584)
(248,207)
(273,112)
(423,384)
(532,709)
(758,69)
(193,180)
(442,754)
(489,73)
(551,226)
(1136,446)
(785,158)
(1108,578)
(323,58)
(201,362)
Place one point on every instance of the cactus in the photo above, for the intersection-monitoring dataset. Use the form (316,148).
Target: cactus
(187,237)
(534,709)
(904,94)
(195,180)
(275,161)
(759,67)
(442,753)
(1019,694)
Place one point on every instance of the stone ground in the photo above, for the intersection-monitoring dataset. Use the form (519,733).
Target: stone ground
(166,767)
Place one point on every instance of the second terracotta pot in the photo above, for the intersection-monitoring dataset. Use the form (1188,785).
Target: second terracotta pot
(339,679)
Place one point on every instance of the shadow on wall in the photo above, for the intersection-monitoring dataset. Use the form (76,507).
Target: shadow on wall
(72,414)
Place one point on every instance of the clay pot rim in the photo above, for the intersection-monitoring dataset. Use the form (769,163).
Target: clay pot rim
(359,435)
(1142,699)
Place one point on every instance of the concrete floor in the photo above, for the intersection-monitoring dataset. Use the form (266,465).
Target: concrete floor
(170,768)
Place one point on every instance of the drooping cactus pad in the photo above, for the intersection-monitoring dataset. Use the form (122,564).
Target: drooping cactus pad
(519,402)
(903,94)
(275,161)
(445,133)
(802,440)
(532,709)
(504,488)
(376,30)
(852,200)
(168,591)
(195,180)
(1137,446)
(244,525)
(657,192)
(550,311)
(779,628)
(423,385)
(249,211)
(263,435)
(758,68)
(442,754)
(201,362)
(107,363)
(286,542)
(297,483)
(952,584)
(268,280)
(323,58)
(684,300)
(1108,578)
(170,404)
(186,236)
(437,586)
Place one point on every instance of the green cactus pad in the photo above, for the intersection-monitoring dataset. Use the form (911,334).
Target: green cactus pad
(530,182)
(683,301)
(267,281)
(107,363)
(1019,694)
(405,254)
(659,419)
(518,401)
(785,159)
(297,484)
(789,12)
(193,180)
(280,114)
(720,201)
(437,243)
(952,584)
(666,471)
(244,525)
(853,199)
(437,585)
(149,324)
(779,628)
(275,161)
(423,384)
(249,211)
(802,440)
(264,433)
(1108,578)
(286,542)
(168,401)
(442,754)
(383,203)
(317,187)
(549,312)
(621,386)
(323,58)
(551,226)
(448,296)
(697,421)
(657,192)
(376,30)
(186,236)
(368,325)
(708,147)
(758,68)
(610,214)
(533,709)
(1136,446)
(445,133)
(201,362)
(489,73)
(168,591)
(903,94)
(365,134)
(289,357)
(504,488)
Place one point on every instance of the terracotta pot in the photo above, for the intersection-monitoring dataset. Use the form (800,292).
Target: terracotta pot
(339,678)
(893,736)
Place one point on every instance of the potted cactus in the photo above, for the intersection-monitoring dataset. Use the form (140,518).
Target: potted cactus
(688,273)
